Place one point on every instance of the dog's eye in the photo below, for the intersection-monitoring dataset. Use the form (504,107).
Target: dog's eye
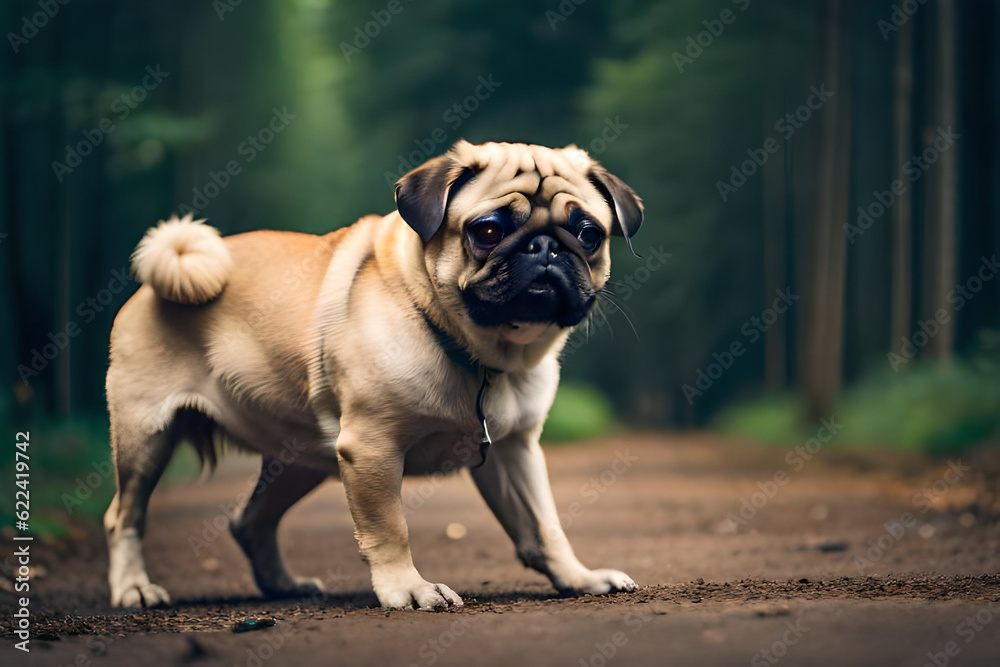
(486,232)
(590,237)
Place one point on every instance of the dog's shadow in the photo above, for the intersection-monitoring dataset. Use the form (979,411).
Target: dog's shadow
(347,601)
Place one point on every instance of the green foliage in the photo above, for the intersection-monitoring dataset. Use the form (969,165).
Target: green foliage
(579,412)
(937,408)
(773,420)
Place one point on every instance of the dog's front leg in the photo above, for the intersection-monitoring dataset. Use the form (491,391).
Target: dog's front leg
(515,484)
(371,467)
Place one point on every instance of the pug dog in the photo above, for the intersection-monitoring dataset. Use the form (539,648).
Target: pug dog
(420,342)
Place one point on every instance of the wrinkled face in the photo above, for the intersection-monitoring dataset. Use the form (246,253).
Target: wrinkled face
(523,234)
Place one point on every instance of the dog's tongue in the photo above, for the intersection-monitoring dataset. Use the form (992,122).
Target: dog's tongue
(525,333)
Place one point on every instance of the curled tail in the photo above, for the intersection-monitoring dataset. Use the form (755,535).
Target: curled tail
(183,260)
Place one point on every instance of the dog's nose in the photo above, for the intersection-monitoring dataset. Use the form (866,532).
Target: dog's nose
(542,247)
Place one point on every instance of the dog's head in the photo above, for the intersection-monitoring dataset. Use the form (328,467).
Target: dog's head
(517,236)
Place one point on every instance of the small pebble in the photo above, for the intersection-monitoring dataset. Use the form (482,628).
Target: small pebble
(926,531)
(456,531)
(251,624)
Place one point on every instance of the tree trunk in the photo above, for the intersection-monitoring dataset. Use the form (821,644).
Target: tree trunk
(902,268)
(825,310)
(775,275)
(941,227)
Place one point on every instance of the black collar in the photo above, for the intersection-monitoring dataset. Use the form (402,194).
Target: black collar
(454,350)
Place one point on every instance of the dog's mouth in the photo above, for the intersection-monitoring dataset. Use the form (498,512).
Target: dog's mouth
(554,294)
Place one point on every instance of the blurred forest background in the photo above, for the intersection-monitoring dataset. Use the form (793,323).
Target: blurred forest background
(820,181)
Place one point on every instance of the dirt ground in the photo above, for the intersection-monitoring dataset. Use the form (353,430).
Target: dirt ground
(794,579)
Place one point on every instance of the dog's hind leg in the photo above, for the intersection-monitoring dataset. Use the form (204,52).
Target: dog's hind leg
(256,529)
(139,461)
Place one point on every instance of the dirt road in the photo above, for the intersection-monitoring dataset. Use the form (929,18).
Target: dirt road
(788,576)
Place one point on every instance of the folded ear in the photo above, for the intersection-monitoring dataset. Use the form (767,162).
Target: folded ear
(422,195)
(624,202)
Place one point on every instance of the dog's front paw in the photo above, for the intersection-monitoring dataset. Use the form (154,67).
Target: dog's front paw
(597,582)
(141,595)
(412,592)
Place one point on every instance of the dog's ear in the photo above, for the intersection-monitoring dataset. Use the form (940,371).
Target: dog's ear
(422,195)
(624,202)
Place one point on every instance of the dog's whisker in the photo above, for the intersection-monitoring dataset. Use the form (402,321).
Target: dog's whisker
(621,308)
